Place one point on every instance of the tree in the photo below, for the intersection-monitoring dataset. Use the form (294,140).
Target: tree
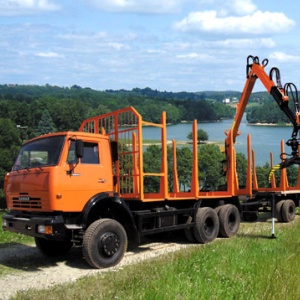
(210,164)
(152,164)
(241,168)
(45,125)
(68,114)
(201,135)
(9,145)
(184,167)
(262,173)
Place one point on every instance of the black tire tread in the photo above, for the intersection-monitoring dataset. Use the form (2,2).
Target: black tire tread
(199,231)
(226,228)
(89,240)
(288,211)
(188,232)
(278,210)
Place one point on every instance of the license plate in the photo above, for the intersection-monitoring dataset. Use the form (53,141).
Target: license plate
(24,198)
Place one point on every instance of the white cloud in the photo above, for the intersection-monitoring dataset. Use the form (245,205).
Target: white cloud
(244,43)
(243,7)
(139,6)
(118,46)
(194,55)
(256,23)
(49,54)
(281,56)
(26,7)
(83,37)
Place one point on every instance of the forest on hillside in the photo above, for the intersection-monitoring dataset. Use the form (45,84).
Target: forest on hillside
(66,108)
(264,109)
(29,111)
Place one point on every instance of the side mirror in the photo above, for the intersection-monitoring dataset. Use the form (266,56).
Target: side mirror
(114,151)
(79,148)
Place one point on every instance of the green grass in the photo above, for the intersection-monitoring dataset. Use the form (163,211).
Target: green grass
(147,142)
(8,238)
(248,266)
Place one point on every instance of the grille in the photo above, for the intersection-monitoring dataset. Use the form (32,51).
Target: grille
(32,203)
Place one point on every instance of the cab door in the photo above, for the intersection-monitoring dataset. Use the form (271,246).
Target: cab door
(86,176)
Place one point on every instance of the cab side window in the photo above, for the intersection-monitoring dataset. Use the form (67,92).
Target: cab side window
(90,154)
(72,159)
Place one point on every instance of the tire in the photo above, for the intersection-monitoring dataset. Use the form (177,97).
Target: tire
(288,211)
(207,225)
(104,243)
(53,248)
(217,209)
(278,210)
(229,217)
(188,232)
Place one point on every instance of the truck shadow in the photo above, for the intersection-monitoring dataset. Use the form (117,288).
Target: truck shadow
(28,258)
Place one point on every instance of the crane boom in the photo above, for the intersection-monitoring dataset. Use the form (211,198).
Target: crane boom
(254,71)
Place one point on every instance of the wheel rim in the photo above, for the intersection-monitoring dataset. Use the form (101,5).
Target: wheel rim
(231,221)
(208,226)
(109,244)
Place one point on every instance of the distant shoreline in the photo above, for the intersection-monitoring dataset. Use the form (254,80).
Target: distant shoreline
(181,142)
(270,124)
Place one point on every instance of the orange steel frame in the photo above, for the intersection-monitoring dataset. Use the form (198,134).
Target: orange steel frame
(125,127)
(131,182)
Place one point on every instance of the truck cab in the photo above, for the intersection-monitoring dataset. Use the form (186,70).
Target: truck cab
(59,172)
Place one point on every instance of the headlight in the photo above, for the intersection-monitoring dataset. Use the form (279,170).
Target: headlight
(45,229)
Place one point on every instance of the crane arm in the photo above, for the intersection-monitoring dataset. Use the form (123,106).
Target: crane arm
(254,71)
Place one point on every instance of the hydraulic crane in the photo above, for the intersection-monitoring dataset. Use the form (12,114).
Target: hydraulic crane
(281,94)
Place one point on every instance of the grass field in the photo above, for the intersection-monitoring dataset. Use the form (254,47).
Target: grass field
(8,238)
(248,266)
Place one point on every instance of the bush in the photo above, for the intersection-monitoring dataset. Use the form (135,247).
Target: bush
(2,199)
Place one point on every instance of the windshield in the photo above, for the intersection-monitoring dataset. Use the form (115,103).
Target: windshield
(40,153)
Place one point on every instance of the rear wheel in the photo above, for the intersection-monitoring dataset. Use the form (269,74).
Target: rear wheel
(288,211)
(207,225)
(278,210)
(53,248)
(230,220)
(104,243)
(188,232)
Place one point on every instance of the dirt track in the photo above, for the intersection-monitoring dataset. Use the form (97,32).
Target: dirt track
(33,270)
(27,268)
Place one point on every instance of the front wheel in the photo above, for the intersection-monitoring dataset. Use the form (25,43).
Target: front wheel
(207,225)
(53,248)
(104,243)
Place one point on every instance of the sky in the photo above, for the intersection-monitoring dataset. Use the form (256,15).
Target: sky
(168,45)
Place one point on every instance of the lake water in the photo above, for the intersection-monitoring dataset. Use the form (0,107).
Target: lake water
(265,139)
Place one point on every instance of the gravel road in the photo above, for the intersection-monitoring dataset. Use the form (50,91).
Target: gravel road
(33,270)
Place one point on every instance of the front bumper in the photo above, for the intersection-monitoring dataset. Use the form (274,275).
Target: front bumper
(31,225)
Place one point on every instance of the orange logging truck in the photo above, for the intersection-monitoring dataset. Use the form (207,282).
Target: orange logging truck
(87,188)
